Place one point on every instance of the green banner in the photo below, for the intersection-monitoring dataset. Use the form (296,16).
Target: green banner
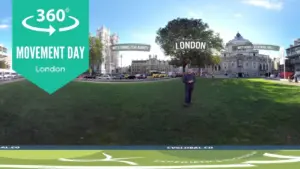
(50,41)
(257,47)
(131,47)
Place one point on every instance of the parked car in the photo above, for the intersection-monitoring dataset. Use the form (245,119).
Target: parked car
(162,75)
(140,76)
(7,75)
(156,75)
(14,75)
(89,76)
(172,74)
(107,77)
(131,77)
(115,76)
(118,76)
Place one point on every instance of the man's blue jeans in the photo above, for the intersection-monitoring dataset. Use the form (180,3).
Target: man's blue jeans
(188,94)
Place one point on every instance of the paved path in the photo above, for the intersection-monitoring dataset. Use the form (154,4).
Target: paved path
(284,82)
(11,81)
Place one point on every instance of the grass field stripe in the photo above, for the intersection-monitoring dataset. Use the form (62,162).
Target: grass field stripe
(126,167)
(273,161)
(280,156)
(107,158)
(291,159)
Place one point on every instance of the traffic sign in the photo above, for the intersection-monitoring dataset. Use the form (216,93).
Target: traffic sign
(50,41)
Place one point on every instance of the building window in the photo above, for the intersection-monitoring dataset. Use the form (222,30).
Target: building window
(260,67)
(253,54)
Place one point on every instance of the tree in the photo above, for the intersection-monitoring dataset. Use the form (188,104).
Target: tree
(95,52)
(175,62)
(215,60)
(201,59)
(181,29)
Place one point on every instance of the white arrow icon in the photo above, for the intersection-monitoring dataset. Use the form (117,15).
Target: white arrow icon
(50,30)
(70,27)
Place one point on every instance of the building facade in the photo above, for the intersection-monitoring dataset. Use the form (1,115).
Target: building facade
(293,56)
(150,65)
(245,61)
(110,58)
(4,56)
(3,52)
(287,66)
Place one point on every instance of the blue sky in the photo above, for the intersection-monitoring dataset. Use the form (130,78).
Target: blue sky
(261,21)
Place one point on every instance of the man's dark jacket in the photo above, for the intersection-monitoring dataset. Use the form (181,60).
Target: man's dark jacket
(186,78)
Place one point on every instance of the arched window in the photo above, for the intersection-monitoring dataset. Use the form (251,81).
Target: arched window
(219,67)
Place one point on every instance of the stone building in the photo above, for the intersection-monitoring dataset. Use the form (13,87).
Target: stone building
(4,57)
(293,55)
(3,52)
(150,65)
(242,61)
(110,58)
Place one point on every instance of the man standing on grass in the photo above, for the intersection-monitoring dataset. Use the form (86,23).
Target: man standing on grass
(189,80)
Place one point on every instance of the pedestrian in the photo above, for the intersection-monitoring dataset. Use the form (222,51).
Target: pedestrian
(189,80)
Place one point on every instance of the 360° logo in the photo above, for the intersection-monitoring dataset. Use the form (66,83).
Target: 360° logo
(51,16)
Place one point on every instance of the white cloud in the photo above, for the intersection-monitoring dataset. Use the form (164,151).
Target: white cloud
(268,4)
(3,26)
(192,14)
(5,23)
(238,15)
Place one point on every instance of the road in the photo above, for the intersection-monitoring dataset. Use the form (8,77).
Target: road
(284,82)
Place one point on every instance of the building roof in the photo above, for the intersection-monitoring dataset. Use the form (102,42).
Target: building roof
(292,46)
(238,40)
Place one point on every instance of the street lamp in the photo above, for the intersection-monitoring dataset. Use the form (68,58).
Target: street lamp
(284,59)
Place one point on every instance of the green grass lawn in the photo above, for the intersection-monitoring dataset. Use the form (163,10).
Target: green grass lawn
(146,159)
(231,111)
